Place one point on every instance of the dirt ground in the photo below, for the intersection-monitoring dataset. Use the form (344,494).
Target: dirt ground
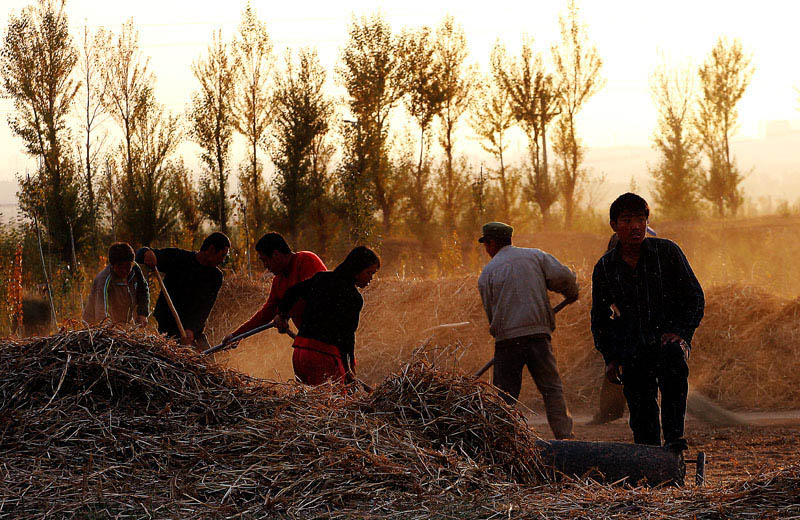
(732,453)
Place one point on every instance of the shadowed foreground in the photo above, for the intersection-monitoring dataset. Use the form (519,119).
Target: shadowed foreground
(100,423)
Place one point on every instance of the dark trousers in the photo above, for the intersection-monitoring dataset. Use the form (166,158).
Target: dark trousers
(663,369)
(535,352)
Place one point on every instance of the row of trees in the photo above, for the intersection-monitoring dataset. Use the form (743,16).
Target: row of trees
(697,118)
(385,161)
(341,169)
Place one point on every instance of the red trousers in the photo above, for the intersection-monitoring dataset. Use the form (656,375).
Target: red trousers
(316,362)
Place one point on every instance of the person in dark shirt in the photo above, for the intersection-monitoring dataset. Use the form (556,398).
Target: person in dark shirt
(646,305)
(325,343)
(193,280)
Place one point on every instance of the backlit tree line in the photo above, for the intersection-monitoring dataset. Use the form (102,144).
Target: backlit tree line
(385,162)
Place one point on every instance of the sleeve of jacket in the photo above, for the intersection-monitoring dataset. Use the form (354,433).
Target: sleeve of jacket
(349,328)
(691,308)
(294,293)
(142,292)
(262,316)
(197,316)
(310,264)
(559,277)
(485,290)
(602,326)
(166,259)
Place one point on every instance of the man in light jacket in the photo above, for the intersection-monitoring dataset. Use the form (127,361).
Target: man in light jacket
(513,287)
(120,291)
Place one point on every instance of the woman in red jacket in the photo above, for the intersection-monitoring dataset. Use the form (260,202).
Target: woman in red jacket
(324,348)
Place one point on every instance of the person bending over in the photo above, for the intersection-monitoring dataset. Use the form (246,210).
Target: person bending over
(324,349)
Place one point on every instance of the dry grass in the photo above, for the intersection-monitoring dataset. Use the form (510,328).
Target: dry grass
(105,424)
(127,424)
(744,354)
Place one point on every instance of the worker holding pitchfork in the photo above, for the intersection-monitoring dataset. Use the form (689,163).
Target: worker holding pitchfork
(324,349)
(191,282)
(513,287)
(289,268)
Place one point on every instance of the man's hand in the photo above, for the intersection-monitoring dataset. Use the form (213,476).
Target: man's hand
(670,337)
(227,339)
(149,259)
(614,372)
(281,323)
(188,339)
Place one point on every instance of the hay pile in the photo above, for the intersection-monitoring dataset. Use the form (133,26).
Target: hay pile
(747,347)
(106,423)
(100,424)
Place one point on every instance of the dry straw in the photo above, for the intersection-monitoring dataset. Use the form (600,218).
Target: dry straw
(744,353)
(107,424)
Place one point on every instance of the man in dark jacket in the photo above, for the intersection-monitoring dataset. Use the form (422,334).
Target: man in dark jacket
(646,305)
(193,280)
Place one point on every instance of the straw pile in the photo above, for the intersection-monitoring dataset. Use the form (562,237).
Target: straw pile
(101,423)
(107,423)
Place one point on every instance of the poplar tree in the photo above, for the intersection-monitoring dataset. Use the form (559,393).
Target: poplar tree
(534,98)
(492,119)
(577,66)
(302,114)
(677,172)
(211,118)
(254,63)
(37,62)
(370,71)
(724,78)
(457,79)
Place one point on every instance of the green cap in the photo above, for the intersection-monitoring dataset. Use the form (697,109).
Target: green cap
(496,230)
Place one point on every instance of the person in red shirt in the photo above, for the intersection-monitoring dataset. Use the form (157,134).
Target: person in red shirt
(289,269)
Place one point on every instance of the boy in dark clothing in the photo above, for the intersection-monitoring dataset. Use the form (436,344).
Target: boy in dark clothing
(646,305)
(193,280)
(325,343)
(120,291)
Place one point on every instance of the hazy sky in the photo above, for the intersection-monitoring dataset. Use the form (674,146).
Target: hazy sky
(629,35)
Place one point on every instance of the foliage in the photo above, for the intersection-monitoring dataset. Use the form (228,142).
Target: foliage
(211,118)
(147,208)
(252,51)
(533,95)
(492,119)
(677,173)
(577,66)
(371,72)
(37,61)
(302,114)
(457,81)
(724,78)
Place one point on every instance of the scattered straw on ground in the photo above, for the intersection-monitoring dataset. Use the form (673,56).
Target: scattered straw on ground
(100,423)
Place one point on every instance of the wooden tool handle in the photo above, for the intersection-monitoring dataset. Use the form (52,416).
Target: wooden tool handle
(171,306)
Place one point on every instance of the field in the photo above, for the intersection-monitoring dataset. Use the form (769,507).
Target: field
(188,438)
